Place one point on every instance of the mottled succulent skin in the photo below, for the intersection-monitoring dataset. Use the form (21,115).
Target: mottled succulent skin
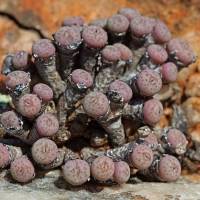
(76,172)
(29,105)
(157,53)
(4,155)
(110,53)
(152,141)
(117,23)
(126,53)
(95,104)
(169,72)
(94,36)
(82,76)
(102,168)
(47,125)
(184,53)
(129,13)
(152,111)
(44,151)
(43,91)
(175,137)
(141,26)
(15,78)
(169,168)
(22,170)
(10,119)
(122,172)
(148,82)
(99,22)
(161,33)
(43,48)
(141,157)
(70,21)
(123,89)
(21,59)
(67,36)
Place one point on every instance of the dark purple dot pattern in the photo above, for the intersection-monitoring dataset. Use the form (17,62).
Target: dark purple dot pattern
(67,36)
(20,59)
(184,52)
(82,76)
(43,91)
(29,105)
(152,111)
(117,23)
(122,172)
(44,151)
(95,104)
(141,157)
(157,53)
(15,78)
(22,170)
(102,168)
(152,140)
(94,36)
(141,26)
(169,168)
(175,137)
(123,88)
(10,119)
(110,53)
(4,155)
(169,72)
(47,125)
(126,53)
(76,172)
(161,33)
(44,48)
(149,82)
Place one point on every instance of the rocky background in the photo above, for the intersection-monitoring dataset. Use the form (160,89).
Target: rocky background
(24,21)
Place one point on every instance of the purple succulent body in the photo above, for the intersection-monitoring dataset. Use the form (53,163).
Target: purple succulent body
(76,172)
(44,151)
(102,168)
(129,13)
(4,155)
(10,119)
(22,169)
(110,53)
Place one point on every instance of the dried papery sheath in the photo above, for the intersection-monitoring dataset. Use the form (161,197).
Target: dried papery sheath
(67,41)
(69,155)
(148,112)
(77,86)
(21,60)
(109,68)
(165,168)
(18,84)
(174,141)
(96,105)
(117,26)
(43,51)
(98,138)
(95,38)
(180,53)
(7,64)
(8,154)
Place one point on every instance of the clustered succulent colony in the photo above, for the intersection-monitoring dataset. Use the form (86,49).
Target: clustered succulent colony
(95,79)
